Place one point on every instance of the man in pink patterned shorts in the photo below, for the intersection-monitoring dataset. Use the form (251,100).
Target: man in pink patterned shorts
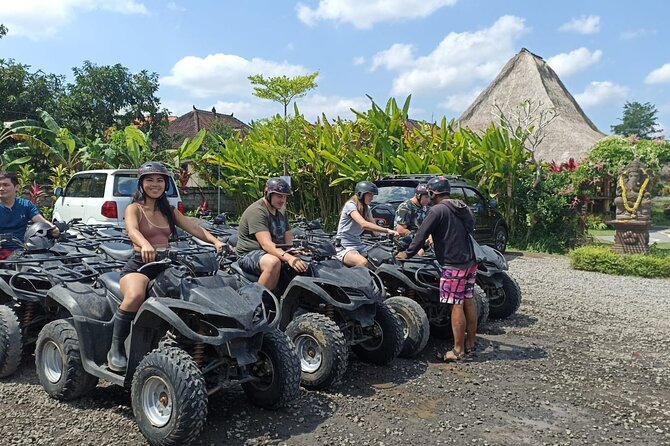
(450,224)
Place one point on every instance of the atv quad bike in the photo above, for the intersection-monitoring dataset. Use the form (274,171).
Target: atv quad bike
(198,332)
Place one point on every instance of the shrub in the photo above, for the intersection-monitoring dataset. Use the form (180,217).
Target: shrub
(604,260)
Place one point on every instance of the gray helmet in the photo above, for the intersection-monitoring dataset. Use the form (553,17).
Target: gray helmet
(421,189)
(38,237)
(152,168)
(276,186)
(365,187)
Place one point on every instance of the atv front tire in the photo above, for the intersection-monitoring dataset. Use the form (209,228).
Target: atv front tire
(58,362)
(11,342)
(321,348)
(387,337)
(278,373)
(483,309)
(169,397)
(416,329)
(508,300)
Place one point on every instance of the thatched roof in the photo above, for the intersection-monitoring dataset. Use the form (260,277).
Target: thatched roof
(188,125)
(528,77)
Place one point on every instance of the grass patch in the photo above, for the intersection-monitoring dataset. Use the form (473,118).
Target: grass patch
(603,260)
(601,232)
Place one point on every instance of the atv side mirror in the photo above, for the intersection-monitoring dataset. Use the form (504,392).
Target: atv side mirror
(58,191)
(493,204)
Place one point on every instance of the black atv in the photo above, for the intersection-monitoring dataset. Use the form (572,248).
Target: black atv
(331,308)
(419,279)
(25,278)
(198,332)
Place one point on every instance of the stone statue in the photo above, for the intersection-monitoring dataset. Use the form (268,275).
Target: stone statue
(633,201)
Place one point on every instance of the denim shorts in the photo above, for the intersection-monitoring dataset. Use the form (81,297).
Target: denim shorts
(251,262)
(341,252)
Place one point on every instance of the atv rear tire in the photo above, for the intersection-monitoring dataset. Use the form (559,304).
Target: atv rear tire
(322,350)
(278,372)
(505,304)
(387,341)
(416,328)
(169,397)
(58,362)
(483,309)
(11,342)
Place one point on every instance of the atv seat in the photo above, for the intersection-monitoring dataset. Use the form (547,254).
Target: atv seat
(238,270)
(111,282)
(117,250)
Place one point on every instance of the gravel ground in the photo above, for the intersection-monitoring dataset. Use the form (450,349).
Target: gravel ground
(584,361)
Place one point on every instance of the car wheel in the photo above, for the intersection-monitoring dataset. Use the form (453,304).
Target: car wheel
(500,238)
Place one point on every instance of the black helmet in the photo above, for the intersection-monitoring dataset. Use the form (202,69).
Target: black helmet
(38,237)
(365,187)
(421,189)
(152,168)
(276,186)
(438,186)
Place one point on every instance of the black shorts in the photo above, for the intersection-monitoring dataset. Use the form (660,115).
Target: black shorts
(133,265)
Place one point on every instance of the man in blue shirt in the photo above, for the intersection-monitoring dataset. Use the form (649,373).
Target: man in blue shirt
(16,213)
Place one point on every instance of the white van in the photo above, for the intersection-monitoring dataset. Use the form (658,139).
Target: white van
(101,196)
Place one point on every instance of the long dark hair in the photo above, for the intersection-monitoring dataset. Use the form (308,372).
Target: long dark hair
(161,204)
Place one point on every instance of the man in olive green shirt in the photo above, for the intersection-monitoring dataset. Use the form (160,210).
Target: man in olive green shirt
(263,226)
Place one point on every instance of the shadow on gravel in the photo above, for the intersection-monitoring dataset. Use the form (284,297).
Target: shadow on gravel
(363,379)
(511,255)
(233,420)
(490,350)
(497,326)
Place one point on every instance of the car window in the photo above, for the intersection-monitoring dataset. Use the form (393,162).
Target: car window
(457,193)
(391,194)
(472,198)
(87,185)
(125,185)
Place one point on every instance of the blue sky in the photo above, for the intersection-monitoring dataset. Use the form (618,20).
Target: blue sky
(443,52)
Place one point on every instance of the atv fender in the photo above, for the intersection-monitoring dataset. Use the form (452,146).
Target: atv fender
(6,292)
(357,308)
(385,271)
(489,279)
(157,315)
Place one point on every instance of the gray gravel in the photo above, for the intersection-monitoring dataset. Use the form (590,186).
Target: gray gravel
(584,361)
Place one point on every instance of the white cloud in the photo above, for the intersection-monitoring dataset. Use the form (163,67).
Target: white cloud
(582,25)
(251,108)
(459,102)
(565,64)
(224,74)
(399,56)
(659,75)
(41,19)
(605,92)
(364,14)
(459,61)
(359,60)
(637,33)
(314,105)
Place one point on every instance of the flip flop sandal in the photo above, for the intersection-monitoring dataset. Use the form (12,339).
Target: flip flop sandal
(445,356)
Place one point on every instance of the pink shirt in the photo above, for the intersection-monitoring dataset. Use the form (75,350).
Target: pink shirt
(156,235)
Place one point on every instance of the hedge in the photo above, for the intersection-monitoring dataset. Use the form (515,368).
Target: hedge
(604,260)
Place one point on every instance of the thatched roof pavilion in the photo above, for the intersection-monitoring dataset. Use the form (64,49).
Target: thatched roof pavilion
(527,77)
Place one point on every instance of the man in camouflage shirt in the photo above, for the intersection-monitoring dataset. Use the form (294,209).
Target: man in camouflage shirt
(410,214)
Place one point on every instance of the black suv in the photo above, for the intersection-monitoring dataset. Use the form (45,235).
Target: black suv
(490,226)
